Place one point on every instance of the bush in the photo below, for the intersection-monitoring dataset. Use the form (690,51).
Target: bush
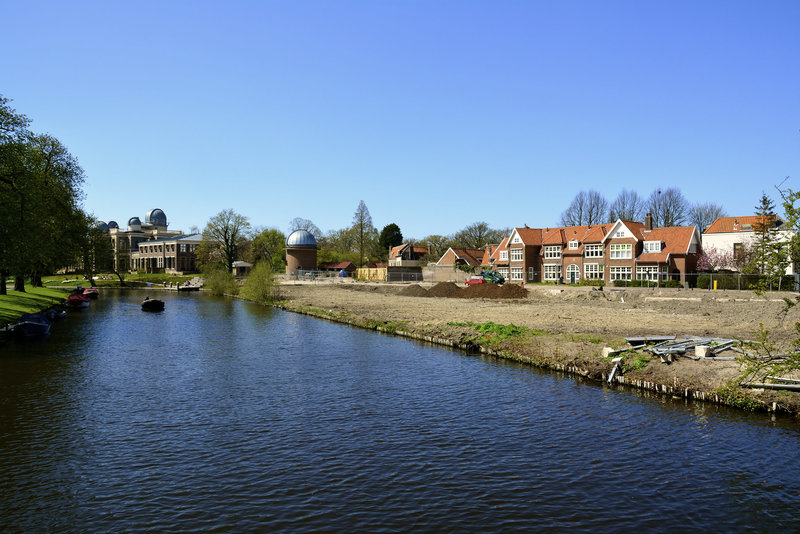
(671,283)
(219,281)
(260,285)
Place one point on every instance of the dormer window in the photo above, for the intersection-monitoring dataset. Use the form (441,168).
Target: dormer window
(573,245)
(652,246)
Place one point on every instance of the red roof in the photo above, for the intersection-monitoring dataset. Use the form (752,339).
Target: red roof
(674,240)
(749,223)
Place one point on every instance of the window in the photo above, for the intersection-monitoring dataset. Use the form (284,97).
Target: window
(593,251)
(620,273)
(738,251)
(552,273)
(517,239)
(573,245)
(652,246)
(647,273)
(183,247)
(503,271)
(573,273)
(503,254)
(516,254)
(552,253)
(516,273)
(593,271)
(621,252)
(531,273)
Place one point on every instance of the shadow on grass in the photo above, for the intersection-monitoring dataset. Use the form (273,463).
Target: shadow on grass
(17,303)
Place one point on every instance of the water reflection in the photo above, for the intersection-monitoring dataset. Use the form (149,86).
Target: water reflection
(222,415)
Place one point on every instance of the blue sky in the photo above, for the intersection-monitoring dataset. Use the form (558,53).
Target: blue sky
(437,114)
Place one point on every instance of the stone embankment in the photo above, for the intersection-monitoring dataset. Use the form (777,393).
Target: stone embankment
(566,328)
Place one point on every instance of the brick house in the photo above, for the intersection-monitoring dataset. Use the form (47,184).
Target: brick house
(461,256)
(174,255)
(406,255)
(624,250)
(495,258)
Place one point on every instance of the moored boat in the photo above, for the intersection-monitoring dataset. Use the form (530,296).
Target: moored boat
(149,304)
(32,324)
(77,301)
(91,292)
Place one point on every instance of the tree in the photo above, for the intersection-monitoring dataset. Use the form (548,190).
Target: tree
(628,206)
(770,256)
(714,260)
(299,223)
(223,233)
(260,286)
(588,207)
(390,237)
(476,235)
(668,207)
(97,254)
(269,246)
(437,245)
(363,231)
(702,215)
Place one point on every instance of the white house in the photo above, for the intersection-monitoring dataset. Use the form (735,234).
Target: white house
(734,235)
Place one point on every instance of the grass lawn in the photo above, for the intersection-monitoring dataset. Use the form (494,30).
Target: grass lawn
(34,299)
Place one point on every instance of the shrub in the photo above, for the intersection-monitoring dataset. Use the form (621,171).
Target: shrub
(219,281)
(260,284)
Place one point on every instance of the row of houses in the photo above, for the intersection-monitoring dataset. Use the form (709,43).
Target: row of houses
(623,250)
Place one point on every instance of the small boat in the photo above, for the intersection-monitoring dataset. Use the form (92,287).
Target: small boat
(32,324)
(77,301)
(55,313)
(91,292)
(149,304)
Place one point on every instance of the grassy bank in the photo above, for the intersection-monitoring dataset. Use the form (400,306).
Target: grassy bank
(111,280)
(34,299)
(581,355)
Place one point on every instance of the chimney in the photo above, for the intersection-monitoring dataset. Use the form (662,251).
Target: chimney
(648,221)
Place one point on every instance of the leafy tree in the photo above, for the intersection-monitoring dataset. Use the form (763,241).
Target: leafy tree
(668,207)
(299,223)
(269,246)
(704,214)
(628,206)
(390,237)
(218,280)
(588,207)
(97,253)
(223,234)
(363,231)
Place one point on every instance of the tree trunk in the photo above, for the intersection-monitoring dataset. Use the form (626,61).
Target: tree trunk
(3,276)
(36,279)
(19,283)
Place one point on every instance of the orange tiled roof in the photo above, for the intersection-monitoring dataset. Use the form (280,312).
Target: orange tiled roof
(530,236)
(496,252)
(674,240)
(724,225)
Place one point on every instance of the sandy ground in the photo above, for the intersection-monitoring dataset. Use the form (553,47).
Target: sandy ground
(611,313)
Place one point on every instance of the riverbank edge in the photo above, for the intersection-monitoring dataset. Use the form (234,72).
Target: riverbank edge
(546,353)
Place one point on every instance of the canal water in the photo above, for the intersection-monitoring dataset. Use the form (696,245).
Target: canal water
(218,415)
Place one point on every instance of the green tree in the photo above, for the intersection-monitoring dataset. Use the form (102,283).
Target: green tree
(769,254)
(222,238)
(269,246)
(97,254)
(390,237)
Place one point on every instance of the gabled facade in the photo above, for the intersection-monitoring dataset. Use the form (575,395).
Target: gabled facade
(406,255)
(461,256)
(497,258)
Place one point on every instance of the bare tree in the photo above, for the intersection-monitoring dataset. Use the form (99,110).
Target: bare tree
(588,207)
(628,206)
(668,207)
(298,223)
(702,215)
(363,230)
(475,235)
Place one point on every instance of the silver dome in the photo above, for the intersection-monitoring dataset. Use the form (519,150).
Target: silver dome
(134,221)
(301,239)
(156,217)
(113,224)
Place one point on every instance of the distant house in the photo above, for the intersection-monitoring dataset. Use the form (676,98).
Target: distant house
(461,256)
(406,255)
(733,236)
(346,266)
(495,258)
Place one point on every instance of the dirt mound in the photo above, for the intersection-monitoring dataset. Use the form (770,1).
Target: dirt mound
(414,290)
(444,289)
(493,291)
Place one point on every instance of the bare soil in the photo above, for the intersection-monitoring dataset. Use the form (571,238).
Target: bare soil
(578,321)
